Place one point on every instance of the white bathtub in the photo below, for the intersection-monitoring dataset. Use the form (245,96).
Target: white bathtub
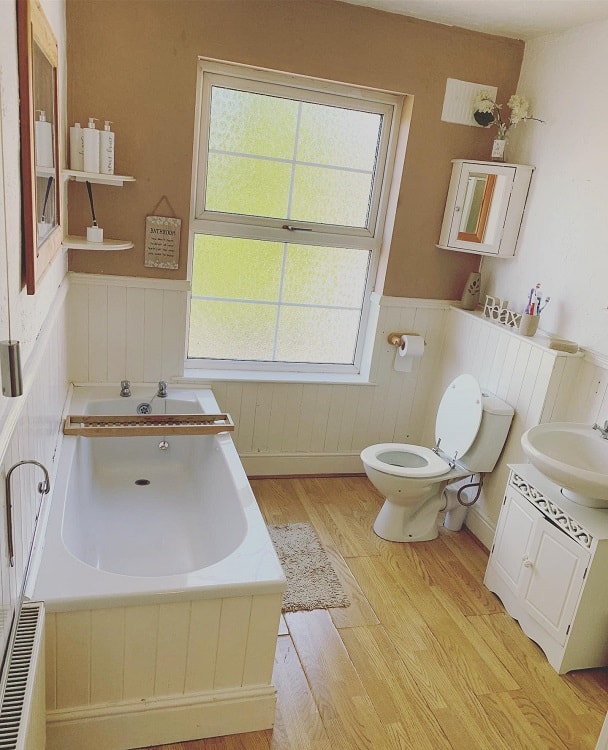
(162,588)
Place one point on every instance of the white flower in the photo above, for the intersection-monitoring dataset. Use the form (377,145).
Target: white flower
(483,102)
(520,108)
(487,113)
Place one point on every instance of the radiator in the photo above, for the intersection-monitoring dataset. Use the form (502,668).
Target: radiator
(22,710)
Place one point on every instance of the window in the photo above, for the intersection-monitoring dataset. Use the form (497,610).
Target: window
(289,197)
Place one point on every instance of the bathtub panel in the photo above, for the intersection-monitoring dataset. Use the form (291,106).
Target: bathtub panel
(50,665)
(74,656)
(232,642)
(141,633)
(202,644)
(107,654)
(262,639)
(117,339)
(172,648)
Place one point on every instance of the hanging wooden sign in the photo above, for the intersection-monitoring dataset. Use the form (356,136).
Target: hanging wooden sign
(162,242)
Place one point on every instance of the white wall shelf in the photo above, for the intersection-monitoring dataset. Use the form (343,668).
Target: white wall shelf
(81,243)
(95,177)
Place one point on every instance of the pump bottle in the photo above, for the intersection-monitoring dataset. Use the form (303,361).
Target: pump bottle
(106,149)
(44,141)
(91,147)
(76,148)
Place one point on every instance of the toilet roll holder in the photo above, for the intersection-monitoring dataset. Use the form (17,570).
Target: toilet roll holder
(394,339)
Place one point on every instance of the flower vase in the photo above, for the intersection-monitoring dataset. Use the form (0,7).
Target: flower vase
(498,149)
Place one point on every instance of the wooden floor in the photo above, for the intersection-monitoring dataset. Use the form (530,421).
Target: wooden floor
(424,658)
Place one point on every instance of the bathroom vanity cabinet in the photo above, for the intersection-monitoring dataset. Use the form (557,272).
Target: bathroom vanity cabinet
(549,566)
(485,207)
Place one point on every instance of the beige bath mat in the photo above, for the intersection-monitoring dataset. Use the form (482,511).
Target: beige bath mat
(312,582)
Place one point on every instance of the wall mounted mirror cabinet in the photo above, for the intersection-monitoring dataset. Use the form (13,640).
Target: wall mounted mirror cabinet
(40,187)
(485,207)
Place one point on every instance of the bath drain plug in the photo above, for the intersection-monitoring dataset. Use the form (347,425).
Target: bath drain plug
(142,482)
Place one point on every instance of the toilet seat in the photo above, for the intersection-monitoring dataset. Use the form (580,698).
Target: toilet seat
(404,460)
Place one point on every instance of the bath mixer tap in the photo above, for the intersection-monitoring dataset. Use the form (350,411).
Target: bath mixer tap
(602,430)
(125,388)
(162,389)
(43,488)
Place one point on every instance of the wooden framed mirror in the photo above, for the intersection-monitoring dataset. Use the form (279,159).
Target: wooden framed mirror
(39,123)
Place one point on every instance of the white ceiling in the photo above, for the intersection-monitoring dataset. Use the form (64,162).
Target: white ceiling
(520,19)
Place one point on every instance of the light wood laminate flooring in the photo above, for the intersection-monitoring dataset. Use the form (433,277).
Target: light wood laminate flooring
(425,658)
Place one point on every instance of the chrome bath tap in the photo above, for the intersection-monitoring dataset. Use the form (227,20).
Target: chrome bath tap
(125,388)
(602,430)
(162,389)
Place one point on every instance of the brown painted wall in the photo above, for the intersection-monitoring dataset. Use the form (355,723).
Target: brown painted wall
(134,62)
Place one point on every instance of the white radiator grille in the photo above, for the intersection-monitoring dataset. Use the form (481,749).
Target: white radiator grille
(19,681)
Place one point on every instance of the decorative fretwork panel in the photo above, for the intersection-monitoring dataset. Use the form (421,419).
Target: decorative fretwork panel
(552,511)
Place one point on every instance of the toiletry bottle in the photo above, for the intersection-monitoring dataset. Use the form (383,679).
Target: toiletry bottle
(91,147)
(77,148)
(44,141)
(106,149)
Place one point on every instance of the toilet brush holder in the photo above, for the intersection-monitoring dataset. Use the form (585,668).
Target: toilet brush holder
(94,234)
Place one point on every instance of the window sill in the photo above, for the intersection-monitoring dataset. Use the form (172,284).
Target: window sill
(199,377)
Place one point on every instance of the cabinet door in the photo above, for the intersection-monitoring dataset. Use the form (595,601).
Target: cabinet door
(553,573)
(513,536)
(480,207)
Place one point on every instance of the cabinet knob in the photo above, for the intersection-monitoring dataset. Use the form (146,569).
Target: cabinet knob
(528,563)
(457,209)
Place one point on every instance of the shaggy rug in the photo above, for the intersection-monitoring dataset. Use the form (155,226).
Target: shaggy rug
(312,582)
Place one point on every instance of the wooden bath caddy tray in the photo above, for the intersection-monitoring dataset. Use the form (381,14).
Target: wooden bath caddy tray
(134,425)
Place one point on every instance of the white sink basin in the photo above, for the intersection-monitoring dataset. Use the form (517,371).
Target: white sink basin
(574,456)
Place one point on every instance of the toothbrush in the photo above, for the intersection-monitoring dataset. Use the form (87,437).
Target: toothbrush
(529,305)
(540,309)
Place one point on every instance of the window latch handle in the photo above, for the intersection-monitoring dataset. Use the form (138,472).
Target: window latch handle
(291,228)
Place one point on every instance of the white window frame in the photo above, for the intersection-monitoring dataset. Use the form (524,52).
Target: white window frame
(256,80)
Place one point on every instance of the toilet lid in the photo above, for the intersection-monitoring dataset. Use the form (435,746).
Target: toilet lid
(459,416)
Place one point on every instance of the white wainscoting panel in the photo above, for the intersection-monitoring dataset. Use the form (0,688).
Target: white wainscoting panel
(31,430)
(530,377)
(135,329)
(211,657)
(124,327)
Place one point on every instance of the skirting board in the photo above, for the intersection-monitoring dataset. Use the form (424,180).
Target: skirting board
(480,527)
(161,721)
(300,464)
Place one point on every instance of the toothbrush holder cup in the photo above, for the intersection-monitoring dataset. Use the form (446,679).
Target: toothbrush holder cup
(529,324)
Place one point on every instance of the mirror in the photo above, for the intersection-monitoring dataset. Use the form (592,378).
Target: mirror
(37,50)
(476,208)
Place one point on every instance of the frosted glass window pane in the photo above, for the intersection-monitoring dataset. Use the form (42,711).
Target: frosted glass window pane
(250,186)
(313,334)
(231,330)
(331,196)
(339,137)
(252,123)
(325,275)
(236,268)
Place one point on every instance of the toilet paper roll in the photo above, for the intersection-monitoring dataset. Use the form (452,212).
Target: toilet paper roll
(411,348)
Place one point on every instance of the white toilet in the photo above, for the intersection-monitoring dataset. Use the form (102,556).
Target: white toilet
(470,430)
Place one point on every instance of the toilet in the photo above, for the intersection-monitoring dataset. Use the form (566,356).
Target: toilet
(470,432)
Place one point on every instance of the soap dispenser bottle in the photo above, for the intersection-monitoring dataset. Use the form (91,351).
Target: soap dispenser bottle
(76,148)
(44,141)
(91,147)
(106,149)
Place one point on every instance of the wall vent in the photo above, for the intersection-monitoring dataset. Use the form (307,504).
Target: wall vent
(21,715)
